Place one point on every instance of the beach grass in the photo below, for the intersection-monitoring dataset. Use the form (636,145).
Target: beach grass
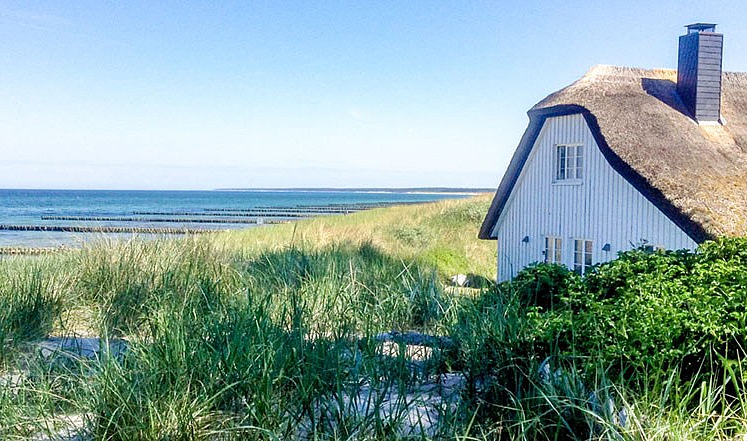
(245,334)
(278,333)
(441,234)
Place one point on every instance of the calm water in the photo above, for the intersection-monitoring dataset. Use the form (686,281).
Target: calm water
(26,207)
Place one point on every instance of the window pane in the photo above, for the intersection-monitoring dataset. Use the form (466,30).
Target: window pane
(561,162)
(588,246)
(569,162)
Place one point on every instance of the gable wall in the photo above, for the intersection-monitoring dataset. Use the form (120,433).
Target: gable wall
(604,207)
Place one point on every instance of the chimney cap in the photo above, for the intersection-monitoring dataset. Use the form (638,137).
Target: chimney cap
(701,27)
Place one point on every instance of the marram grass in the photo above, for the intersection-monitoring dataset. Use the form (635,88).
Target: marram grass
(440,234)
(269,333)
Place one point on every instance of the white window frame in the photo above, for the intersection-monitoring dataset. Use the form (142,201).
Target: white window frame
(569,163)
(553,250)
(583,256)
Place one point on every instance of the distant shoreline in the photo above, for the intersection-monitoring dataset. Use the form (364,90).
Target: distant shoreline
(413,190)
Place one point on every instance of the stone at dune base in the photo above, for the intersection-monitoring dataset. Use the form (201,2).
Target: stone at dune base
(80,347)
(460,280)
(470,281)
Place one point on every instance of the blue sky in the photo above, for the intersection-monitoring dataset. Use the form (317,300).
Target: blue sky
(201,95)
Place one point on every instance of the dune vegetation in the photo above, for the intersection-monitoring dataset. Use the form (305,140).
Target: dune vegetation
(300,331)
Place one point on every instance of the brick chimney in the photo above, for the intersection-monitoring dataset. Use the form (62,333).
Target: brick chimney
(699,71)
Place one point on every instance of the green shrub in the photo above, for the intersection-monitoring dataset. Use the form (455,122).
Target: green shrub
(634,311)
(667,310)
(667,324)
(544,285)
(645,312)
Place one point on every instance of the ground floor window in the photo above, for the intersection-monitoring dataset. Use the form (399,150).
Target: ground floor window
(582,255)
(553,250)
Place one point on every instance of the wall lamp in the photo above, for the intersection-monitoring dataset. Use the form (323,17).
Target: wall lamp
(525,239)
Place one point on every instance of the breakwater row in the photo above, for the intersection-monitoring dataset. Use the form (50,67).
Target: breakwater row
(310,211)
(215,216)
(175,220)
(28,251)
(102,229)
(227,214)
(47,219)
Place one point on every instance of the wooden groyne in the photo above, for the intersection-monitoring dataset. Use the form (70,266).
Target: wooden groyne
(102,229)
(155,219)
(222,214)
(344,206)
(26,251)
(314,209)
(282,210)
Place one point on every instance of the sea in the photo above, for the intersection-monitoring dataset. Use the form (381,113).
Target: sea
(159,211)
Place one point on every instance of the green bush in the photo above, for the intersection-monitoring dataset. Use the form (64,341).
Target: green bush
(634,312)
(544,285)
(661,323)
(668,309)
(642,316)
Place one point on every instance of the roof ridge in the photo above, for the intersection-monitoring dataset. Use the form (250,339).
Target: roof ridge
(626,72)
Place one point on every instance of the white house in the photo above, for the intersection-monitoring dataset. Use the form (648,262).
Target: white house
(627,157)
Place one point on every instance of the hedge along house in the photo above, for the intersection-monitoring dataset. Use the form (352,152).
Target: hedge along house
(627,157)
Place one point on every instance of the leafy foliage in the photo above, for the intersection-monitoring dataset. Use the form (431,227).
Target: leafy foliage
(642,316)
(544,285)
(554,355)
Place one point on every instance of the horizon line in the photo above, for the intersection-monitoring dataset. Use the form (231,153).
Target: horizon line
(249,189)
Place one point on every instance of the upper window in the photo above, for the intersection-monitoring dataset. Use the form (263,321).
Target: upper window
(570,162)
(582,255)
(553,250)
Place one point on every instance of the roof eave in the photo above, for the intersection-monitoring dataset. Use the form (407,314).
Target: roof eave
(536,120)
(537,117)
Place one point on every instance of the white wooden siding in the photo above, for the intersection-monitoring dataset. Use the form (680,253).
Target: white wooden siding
(602,207)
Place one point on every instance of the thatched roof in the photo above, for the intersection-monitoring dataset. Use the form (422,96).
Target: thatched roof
(697,174)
